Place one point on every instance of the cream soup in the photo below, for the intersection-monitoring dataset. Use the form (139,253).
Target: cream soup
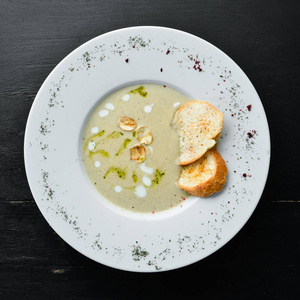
(146,185)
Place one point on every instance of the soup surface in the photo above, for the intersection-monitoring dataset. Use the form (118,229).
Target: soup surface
(146,186)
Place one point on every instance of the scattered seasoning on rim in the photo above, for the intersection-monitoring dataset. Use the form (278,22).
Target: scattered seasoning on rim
(197,65)
(246,175)
(44,129)
(97,244)
(250,135)
(137,41)
(126,60)
(138,253)
(250,138)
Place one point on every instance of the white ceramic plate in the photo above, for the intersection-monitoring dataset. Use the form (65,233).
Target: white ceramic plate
(107,234)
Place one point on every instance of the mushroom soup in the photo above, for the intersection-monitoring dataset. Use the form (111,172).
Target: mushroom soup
(130,149)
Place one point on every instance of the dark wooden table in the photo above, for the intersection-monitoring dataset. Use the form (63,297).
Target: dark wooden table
(262,261)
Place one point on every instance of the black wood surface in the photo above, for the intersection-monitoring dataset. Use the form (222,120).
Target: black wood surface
(262,261)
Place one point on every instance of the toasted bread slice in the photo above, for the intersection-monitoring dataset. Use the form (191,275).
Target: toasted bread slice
(198,124)
(205,176)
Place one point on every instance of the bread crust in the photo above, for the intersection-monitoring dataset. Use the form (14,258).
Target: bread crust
(195,101)
(213,184)
(210,142)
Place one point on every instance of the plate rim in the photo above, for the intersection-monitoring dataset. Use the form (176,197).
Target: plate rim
(30,115)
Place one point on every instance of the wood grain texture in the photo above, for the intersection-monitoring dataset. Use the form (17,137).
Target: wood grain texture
(262,261)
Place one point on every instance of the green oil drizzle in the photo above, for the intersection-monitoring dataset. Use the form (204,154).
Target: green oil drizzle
(134,134)
(142,159)
(100,151)
(123,147)
(120,172)
(114,135)
(134,177)
(99,134)
(158,175)
(140,90)
(130,188)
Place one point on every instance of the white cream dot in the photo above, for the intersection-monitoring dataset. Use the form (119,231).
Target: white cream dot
(126,97)
(146,170)
(91,145)
(147,181)
(109,106)
(97,164)
(151,149)
(103,113)
(95,130)
(118,189)
(148,108)
(140,191)
(176,104)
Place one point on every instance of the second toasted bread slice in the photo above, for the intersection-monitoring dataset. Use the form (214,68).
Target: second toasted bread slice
(198,124)
(205,176)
